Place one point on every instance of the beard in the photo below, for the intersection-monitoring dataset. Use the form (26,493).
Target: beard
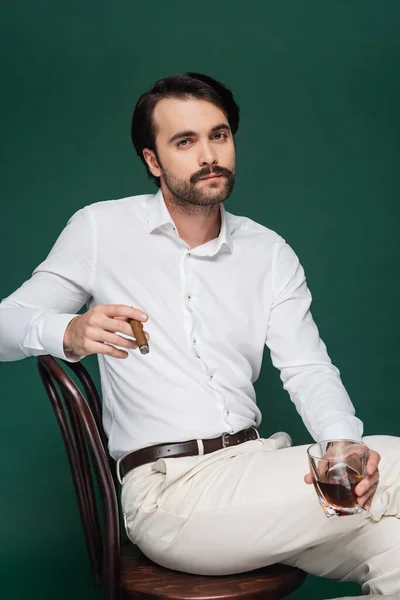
(191,197)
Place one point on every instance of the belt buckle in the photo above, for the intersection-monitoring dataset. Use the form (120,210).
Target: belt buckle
(225,441)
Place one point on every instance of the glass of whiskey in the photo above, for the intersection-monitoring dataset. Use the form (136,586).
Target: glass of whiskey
(337,466)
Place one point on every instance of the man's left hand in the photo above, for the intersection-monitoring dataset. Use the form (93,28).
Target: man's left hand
(365,490)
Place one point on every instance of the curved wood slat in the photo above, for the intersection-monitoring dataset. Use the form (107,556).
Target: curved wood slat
(88,497)
(93,400)
(111,562)
(67,433)
(92,396)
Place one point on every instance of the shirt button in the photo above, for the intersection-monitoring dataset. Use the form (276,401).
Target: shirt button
(194,341)
(211,376)
(189,254)
(189,296)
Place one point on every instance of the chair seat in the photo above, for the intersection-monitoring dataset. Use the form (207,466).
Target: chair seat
(140,577)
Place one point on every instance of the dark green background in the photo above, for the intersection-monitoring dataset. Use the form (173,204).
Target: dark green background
(318,147)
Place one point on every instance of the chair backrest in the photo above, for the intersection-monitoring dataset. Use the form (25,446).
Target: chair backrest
(80,422)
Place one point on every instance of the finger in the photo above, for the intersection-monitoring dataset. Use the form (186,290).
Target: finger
(117,340)
(114,325)
(122,310)
(308,478)
(367,496)
(323,467)
(99,334)
(373,462)
(129,335)
(125,329)
(366,483)
(99,348)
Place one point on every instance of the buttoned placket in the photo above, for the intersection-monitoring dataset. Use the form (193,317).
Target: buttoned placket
(190,297)
(187,301)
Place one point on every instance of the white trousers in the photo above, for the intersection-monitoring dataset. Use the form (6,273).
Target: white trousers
(245,507)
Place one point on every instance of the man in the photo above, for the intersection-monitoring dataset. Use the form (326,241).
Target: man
(201,492)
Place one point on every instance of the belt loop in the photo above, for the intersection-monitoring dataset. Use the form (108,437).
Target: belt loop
(200,446)
(117,467)
(118,472)
(257,432)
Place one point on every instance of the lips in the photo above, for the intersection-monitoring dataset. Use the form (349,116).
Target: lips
(210,177)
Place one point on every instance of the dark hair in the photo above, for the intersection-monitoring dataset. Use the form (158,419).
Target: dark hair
(183,85)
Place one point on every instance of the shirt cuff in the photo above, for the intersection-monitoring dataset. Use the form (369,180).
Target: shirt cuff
(52,329)
(342,431)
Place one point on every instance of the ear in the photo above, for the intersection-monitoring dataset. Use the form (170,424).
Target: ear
(151,160)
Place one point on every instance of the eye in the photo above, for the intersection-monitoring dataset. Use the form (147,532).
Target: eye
(220,136)
(183,143)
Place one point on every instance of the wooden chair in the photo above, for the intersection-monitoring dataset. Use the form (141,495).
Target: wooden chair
(117,568)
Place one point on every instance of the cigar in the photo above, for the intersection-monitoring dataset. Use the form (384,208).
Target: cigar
(137,328)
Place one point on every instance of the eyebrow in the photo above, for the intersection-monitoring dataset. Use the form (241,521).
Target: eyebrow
(190,133)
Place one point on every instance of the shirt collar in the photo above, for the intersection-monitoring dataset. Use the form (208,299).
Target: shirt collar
(158,214)
(159,217)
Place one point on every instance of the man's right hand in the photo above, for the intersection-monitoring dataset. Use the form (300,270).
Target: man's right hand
(94,332)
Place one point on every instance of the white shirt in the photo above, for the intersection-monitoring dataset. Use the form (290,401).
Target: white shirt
(211,311)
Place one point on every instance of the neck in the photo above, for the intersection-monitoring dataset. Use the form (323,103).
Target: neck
(196,225)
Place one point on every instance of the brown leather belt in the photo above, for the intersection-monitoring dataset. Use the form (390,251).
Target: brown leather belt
(191,448)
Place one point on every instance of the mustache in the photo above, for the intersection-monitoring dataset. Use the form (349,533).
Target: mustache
(216,170)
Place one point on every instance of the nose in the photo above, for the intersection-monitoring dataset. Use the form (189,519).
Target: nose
(207,155)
